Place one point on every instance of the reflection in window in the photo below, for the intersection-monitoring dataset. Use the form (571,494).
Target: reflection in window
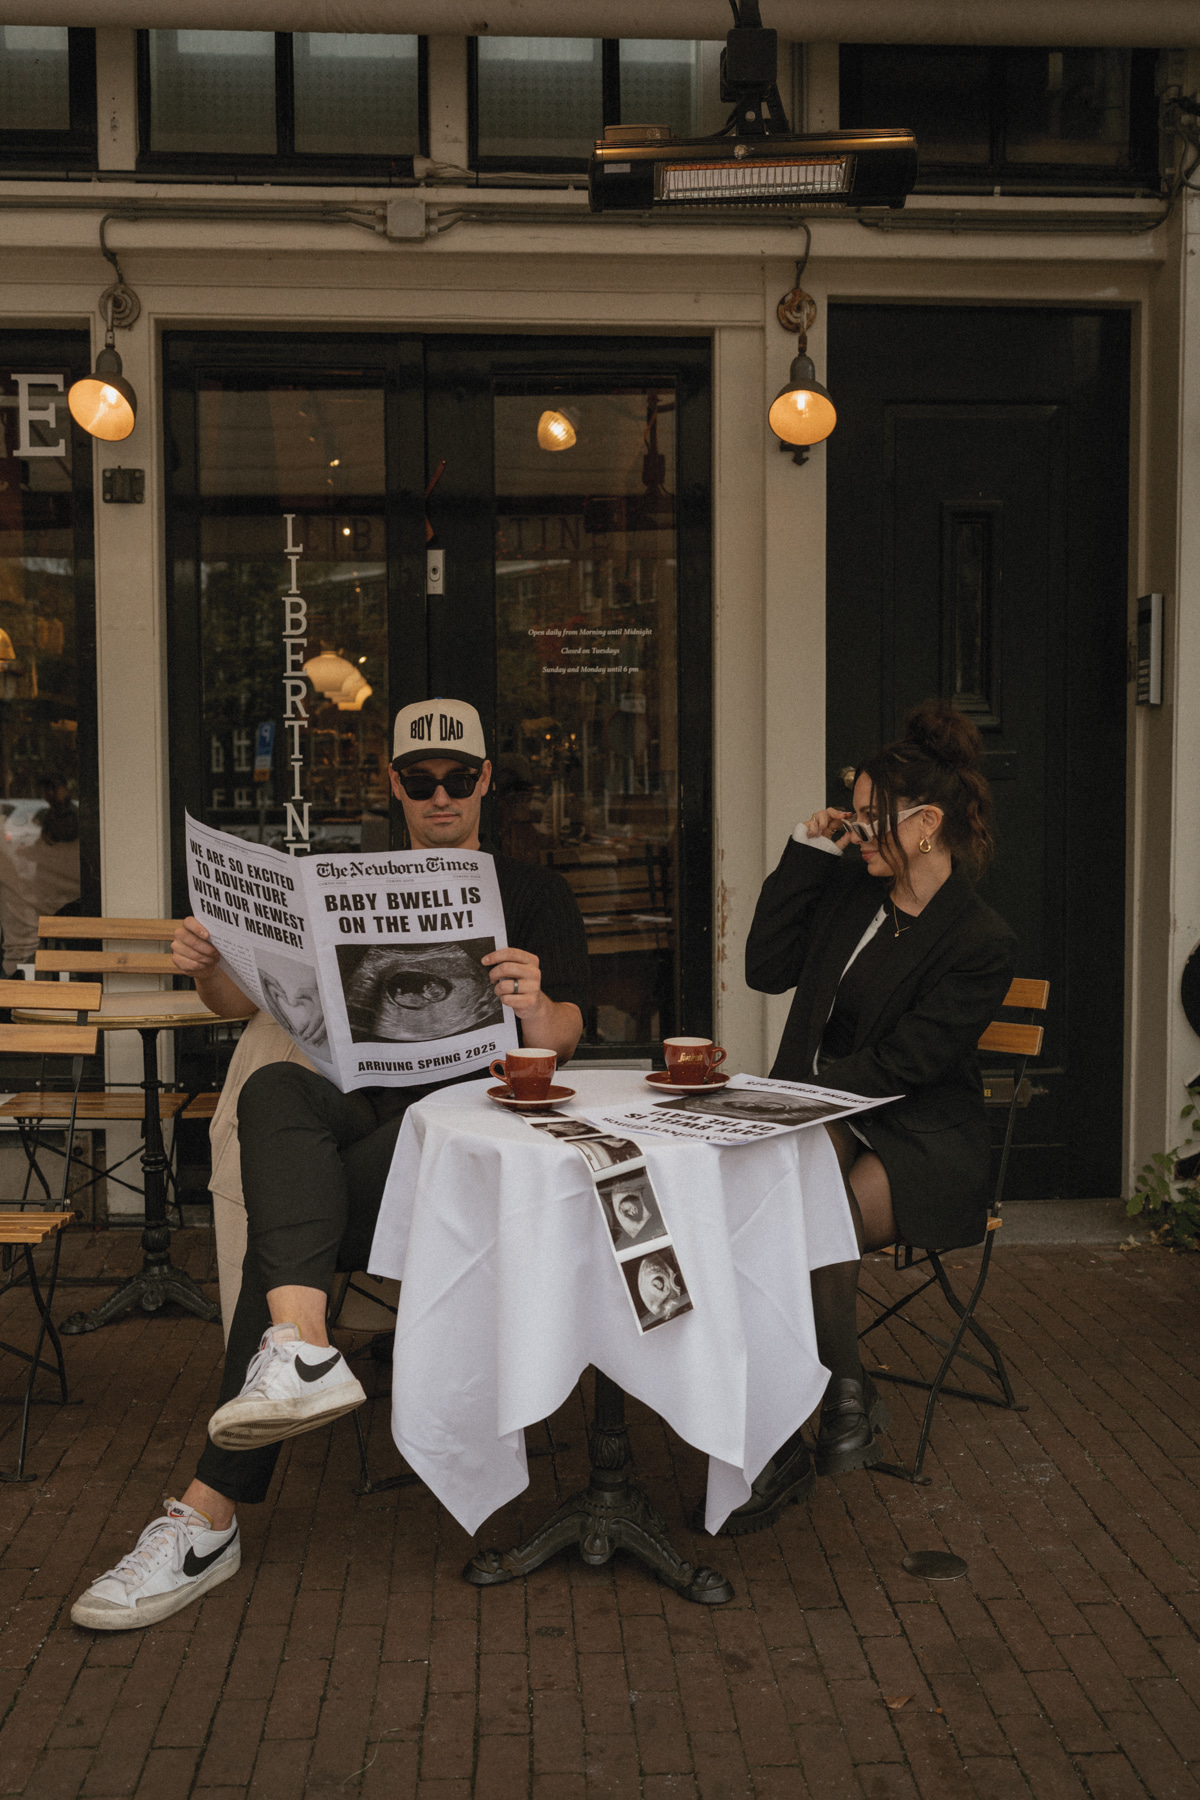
(316,451)
(35,89)
(538,97)
(355,94)
(39,692)
(672,81)
(1068,106)
(1010,112)
(586,765)
(212,91)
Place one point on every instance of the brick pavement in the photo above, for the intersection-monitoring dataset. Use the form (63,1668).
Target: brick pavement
(348,1658)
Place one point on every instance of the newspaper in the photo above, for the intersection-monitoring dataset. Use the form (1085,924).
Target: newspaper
(371,964)
(743,1111)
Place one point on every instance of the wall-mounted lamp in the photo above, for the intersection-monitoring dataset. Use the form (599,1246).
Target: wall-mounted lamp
(103,402)
(802,412)
(556,430)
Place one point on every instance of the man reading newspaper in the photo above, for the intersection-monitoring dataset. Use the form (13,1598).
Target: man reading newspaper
(314,1164)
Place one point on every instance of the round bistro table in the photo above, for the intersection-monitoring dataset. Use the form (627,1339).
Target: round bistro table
(509,1290)
(158,1281)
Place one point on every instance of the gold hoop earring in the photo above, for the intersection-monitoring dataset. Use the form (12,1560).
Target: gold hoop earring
(924,846)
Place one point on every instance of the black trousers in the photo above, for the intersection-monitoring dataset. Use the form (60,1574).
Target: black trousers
(314,1164)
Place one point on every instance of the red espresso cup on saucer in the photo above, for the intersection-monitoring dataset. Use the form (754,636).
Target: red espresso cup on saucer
(690,1061)
(527,1073)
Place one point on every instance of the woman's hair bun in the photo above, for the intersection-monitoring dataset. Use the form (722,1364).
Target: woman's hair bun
(945,734)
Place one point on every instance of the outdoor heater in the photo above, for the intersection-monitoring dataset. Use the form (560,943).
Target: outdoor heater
(756,161)
(641,168)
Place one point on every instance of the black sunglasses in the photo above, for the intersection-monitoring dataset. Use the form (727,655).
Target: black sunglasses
(459,784)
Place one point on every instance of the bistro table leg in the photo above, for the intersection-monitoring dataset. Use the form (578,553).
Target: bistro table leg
(610,1514)
(158,1281)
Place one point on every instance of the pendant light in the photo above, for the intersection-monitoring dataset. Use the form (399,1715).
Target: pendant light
(556,429)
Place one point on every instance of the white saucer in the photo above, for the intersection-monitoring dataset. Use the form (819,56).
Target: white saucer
(505,1097)
(660,1079)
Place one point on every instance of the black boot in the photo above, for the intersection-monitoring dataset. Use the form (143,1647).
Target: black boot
(852,1417)
(788,1476)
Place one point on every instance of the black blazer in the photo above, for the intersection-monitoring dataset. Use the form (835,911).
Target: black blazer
(916,1037)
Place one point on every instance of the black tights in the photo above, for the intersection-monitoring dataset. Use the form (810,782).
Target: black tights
(835,1287)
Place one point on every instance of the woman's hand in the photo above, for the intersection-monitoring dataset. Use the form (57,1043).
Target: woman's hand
(825,823)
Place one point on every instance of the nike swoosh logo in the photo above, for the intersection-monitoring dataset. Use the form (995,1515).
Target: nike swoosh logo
(314,1371)
(196,1565)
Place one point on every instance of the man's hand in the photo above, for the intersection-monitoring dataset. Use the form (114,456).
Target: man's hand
(193,954)
(516,977)
(192,950)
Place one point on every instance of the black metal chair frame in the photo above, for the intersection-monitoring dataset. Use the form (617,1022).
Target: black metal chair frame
(907,1256)
(42,1301)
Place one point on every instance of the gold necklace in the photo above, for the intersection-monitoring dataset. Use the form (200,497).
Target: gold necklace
(896,917)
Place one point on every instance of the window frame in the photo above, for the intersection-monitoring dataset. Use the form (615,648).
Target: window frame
(1142,174)
(77,146)
(320,166)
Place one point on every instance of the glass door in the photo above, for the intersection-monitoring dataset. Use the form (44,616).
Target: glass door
(594,481)
(557,575)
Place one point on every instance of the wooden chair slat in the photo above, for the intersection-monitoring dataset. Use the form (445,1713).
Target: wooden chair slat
(31,1227)
(1035,994)
(202,1107)
(97,962)
(49,1040)
(91,1106)
(134,930)
(52,996)
(1012,1040)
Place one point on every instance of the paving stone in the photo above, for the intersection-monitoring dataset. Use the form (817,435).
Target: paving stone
(348,1657)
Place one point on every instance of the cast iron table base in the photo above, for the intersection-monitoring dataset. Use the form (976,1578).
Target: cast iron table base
(608,1515)
(158,1281)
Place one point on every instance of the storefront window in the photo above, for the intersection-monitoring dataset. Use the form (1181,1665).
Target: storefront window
(586,681)
(47,658)
(538,97)
(35,79)
(294,697)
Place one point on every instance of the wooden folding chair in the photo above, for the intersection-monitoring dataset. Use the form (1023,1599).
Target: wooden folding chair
(25,1229)
(1020,1042)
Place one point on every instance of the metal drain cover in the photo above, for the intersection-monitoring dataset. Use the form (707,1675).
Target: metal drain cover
(935,1565)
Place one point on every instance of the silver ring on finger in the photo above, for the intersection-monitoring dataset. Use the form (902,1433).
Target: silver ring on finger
(516,986)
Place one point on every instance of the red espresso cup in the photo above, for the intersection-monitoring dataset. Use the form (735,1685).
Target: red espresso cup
(527,1073)
(690,1061)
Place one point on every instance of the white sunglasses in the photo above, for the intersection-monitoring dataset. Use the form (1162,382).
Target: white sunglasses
(862,834)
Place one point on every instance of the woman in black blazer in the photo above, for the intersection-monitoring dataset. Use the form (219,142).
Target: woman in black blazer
(897,967)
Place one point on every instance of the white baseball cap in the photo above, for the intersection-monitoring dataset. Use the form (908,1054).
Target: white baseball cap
(438,728)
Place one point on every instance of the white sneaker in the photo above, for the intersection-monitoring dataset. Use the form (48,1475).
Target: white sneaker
(176,1559)
(290,1386)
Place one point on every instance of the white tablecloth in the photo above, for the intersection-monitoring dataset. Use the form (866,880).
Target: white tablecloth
(509,1290)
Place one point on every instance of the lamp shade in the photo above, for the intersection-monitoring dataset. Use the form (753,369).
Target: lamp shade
(329,673)
(802,412)
(354,691)
(103,402)
(556,430)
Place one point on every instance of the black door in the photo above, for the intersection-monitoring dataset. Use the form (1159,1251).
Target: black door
(978,497)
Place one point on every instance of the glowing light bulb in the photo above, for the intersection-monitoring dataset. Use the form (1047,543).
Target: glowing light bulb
(556,430)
